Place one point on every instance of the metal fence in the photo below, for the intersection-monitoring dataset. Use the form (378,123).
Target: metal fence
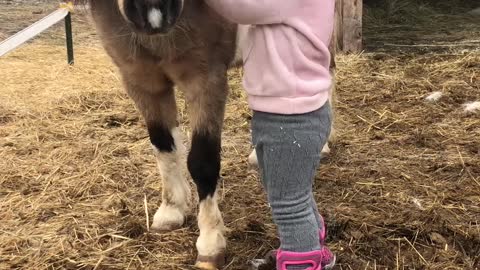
(62,13)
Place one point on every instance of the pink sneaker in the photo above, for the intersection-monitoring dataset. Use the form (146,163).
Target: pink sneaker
(326,258)
(318,260)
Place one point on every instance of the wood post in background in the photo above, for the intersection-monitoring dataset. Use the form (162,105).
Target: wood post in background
(348,25)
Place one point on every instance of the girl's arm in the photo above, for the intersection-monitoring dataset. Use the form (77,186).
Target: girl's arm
(257,11)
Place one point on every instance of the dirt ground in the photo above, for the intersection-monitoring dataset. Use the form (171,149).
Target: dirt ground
(400,190)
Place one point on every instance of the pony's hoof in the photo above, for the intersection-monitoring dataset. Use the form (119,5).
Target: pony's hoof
(165,228)
(326,151)
(268,263)
(256,264)
(252,158)
(215,262)
(167,219)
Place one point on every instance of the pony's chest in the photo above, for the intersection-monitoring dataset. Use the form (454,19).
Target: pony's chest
(169,48)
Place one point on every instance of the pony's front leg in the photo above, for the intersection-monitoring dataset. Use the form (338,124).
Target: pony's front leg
(206,96)
(154,96)
(176,190)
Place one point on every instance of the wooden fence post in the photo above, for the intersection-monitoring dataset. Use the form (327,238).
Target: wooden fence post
(338,29)
(348,25)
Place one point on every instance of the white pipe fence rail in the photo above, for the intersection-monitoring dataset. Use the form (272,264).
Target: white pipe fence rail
(64,12)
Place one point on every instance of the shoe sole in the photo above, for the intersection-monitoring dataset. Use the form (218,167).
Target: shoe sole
(256,263)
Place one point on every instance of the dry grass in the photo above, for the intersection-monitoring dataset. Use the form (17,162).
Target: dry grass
(401,189)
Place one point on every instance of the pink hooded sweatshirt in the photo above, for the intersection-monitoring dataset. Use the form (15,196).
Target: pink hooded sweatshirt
(285,51)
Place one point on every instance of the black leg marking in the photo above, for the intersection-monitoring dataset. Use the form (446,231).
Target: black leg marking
(204,163)
(161,138)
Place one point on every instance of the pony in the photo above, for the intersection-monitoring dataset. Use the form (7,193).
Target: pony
(160,45)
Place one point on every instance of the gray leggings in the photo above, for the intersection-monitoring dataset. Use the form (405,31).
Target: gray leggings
(288,151)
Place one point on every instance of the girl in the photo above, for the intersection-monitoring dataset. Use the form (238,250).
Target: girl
(286,64)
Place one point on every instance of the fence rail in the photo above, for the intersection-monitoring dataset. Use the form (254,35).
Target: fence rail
(63,13)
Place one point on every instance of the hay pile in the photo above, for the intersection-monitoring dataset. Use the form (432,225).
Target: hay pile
(401,189)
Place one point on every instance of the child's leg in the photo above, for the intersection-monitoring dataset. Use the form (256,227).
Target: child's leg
(288,152)
(318,217)
(317,213)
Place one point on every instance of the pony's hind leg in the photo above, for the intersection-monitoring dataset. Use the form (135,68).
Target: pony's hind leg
(154,97)
(206,97)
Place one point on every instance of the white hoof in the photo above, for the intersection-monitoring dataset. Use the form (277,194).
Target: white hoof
(168,218)
(252,159)
(326,150)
